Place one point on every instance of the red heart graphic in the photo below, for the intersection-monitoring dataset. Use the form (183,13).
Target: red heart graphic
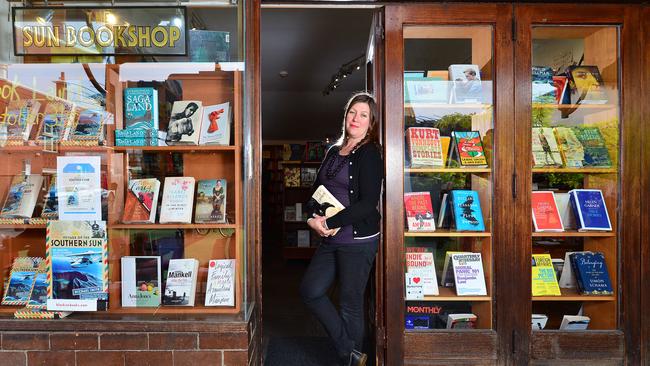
(416,279)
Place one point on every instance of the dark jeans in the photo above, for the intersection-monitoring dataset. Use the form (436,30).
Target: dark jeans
(352,263)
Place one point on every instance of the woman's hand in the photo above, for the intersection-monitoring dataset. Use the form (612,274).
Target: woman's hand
(317,223)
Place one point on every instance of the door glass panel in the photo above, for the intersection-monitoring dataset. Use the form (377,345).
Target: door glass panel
(575,160)
(448,129)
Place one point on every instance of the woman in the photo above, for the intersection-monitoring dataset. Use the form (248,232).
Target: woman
(352,171)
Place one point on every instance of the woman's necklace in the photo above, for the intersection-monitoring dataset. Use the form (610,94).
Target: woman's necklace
(331,171)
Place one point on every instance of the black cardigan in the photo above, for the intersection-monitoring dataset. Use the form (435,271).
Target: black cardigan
(366,174)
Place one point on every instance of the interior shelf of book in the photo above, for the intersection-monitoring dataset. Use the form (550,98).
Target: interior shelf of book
(575,143)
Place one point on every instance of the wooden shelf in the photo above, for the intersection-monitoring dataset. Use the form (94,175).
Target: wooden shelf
(57,148)
(298,252)
(576,106)
(448,233)
(197,309)
(190,148)
(448,170)
(449,294)
(569,294)
(577,170)
(22,226)
(171,226)
(448,105)
(574,233)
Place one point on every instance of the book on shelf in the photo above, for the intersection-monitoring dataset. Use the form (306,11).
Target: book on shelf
(141,201)
(89,125)
(141,277)
(562,90)
(545,149)
(447,277)
(563,201)
(567,277)
(419,89)
(308,176)
(419,211)
(314,151)
(538,321)
(220,287)
(56,122)
(445,143)
(140,114)
(21,280)
(587,86)
(590,210)
(425,149)
(467,150)
(461,321)
(591,273)
(215,125)
(291,176)
(19,118)
(38,294)
(466,83)
(469,277)
(571,150)
(290,213)
(574,322)
(303,239)
(21,199)
(558,267)
(184,125)
(444,214)
(50,201)
(544,282)
(178,196)
(594,147)
(328,205)
(293,152)
(543,87)
(136,137)
(466,210)
(546,216)
(180,288)
(421,265)
(211,201)
(209,46)
(430,315)
(414,287)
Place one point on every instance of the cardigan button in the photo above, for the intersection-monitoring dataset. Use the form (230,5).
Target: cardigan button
(350,163)
(351,191)
(350,177)
(355,233)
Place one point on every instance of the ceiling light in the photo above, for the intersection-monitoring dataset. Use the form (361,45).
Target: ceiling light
(284,73)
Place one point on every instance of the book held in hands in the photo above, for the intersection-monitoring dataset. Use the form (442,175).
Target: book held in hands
(328,205)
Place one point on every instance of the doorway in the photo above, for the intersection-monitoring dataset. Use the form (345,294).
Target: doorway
(312,60)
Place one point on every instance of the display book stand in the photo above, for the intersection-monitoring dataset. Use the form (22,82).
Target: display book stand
(602,310)
(201,241)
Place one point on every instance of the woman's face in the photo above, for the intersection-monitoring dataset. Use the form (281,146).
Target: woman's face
(357,120)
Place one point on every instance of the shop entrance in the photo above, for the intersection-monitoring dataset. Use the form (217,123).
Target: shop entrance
(313,60)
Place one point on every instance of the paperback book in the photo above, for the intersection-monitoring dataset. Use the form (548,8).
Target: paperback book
(543,86)
(424,146)
(426,90)
(466,210)
(291,176)
(51,201)
(89,125)
(571,150)
(209,46)
(545,149)
(433,315)
(178,195)
(468,274)
(444,214)
(591,273)
(567,277)
(215,125)
(466,83)
(141,281)
(590,210)
(419,211)
(55,122)
(538,321)
(594,147)
(220,290)
(185,123)
(180,288)
(544,282)
(141,201)
(21,280)
(308,176)
(563,201)
(328,205)
(19,117)
(38,295)
(141,113)
(211,201)
(422,267)
(461,321)
(22,196)
(587,85)
(546,216)
(575,322)
(467,150)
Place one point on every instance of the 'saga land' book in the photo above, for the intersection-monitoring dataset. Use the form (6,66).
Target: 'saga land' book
(141,113)
(21,280)
(425,148)
(19,117)
(421,264)
(220,290)
(211,201)
(22,196)
(468,274)
(545,149)
(571,150)
(180,288)
(328,205)
(591,273)
(141,201)
(215,125)
(141,281)
(590,210)
(185,123)
(419,211)
(546,216)
(467,150)
(466,209)
(178,195)
(544,282)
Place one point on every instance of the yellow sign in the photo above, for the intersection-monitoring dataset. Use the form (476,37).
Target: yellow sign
(104,36)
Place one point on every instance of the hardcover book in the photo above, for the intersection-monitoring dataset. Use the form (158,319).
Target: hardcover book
(544,282)
(180,288)
(590,210)
(461,321)
(571,150)
(574,322)
(587,85)
(421,265)
(567,277)
(466,83)
(55,122)
(425,90)
(19,117)
(21,280)
(89,125)
(328,205)
(594,146)
(543,86)
(141,281)
(466,210)
(546,216)
(215,125)
(51,201)
(467,150)
(22,196)
(141,111)
(425,149)
(291,176)
(220,290)
(185,123)
(563,201)
(468,274)
(141,201)
(545,149)
(178,195)
(419,212)
(591,273)
(211,201)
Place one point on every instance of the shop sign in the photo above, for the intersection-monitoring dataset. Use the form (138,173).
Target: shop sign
(57,31)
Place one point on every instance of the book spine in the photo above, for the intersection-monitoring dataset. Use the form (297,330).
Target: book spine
(576,272)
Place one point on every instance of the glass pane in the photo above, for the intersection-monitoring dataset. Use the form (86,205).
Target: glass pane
(448,129)
(575,144)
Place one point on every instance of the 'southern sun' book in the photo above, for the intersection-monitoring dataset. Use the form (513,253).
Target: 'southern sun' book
(20,116)
(425,149)
(141,201)
(21,280)
(419,211)
(546,216)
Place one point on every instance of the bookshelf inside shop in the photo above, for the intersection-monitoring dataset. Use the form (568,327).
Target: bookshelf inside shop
(156,123)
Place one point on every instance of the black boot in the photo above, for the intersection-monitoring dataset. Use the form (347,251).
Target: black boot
(358,358)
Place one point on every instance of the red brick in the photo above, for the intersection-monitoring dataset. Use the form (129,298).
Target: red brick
(223,341)
(13,358)
(25,341)
(148,358)
(193,358)
(105,358)
(52,358)
(235,358)
(74,341)
(172,341)
(124,341)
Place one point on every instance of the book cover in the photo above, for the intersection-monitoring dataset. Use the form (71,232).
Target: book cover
(135,137)
(141,201)
(594,147)
(55,122)
(141,281)
(544,282)
(89,125)
(19,117)
(444,214)
(466,210)
(467,150)
(567,277)
(414,289)
(571,150)
(314,151)
(178,196)
(220,290)
(77,260)
(447,277)
(22,196)
(587,85)
(590,210)
(543,86)
(561,90)
(461,321)
(291,176)
(185,123)
(211,201)
(38,294)
(574,322)
(468,274)
(425,149)
(419,212)
(425,90)
(420,264)
(308,176)
(51,201)
(181,282)
(592,272)
(545,149)
(445,142)
(563,201)
(538,321)
(141,109)
(215,125)
(546,216)
(466,83)
(209,46)
(328,205)
(21,280)
(430,315)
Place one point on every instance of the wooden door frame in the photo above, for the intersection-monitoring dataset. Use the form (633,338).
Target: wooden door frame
(645,194)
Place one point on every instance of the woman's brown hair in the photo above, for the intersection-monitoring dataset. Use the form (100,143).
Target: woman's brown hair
(373,134)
